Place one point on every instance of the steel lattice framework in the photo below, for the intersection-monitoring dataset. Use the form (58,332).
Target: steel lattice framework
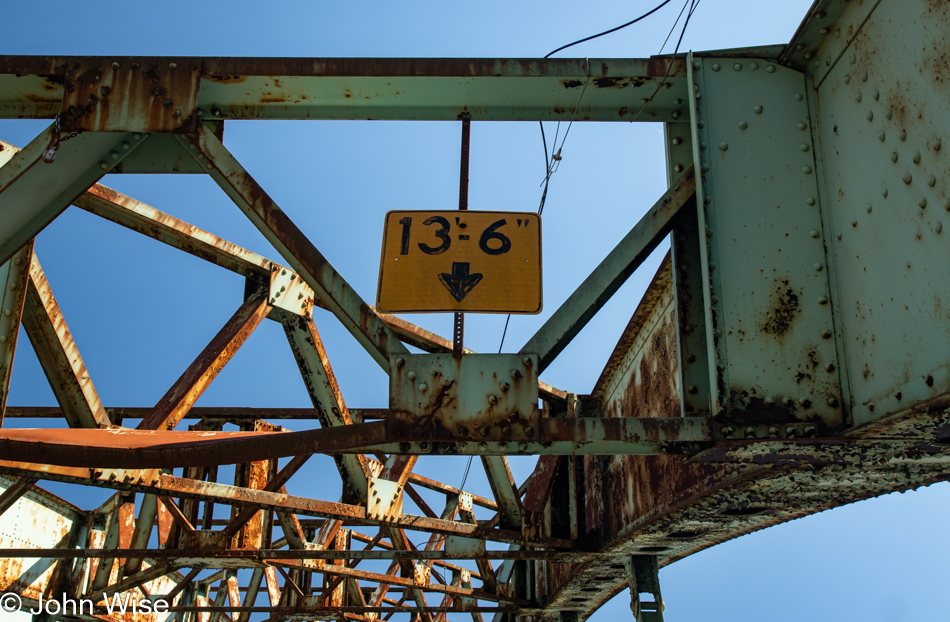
(768,372)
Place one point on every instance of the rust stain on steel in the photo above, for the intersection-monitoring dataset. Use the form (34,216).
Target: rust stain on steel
(13,298)
(58,354)
(782,311)
(145,94)
(199,375)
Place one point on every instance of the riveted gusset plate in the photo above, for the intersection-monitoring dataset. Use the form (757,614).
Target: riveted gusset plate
(769,293)
(885,140)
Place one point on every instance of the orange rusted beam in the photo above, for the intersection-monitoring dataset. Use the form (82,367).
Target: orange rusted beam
(189,387)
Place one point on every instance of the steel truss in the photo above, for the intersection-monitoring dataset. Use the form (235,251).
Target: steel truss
(734,400)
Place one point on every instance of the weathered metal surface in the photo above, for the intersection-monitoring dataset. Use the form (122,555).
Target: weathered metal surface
(479,397)
(612,272)
(14,277)
(769,292)
(58,354)
(884,134)
(358,317)
(42,179)
(141,95)
(288,291)
(380,88)
(631,472)
(209,363)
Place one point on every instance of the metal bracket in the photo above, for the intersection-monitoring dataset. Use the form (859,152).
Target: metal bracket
(479,397)
(289,292)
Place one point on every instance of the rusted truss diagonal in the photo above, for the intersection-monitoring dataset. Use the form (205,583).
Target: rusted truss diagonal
(42,179)
(355,314)
(209,363)
(58,355)
(14,277)
(612,272)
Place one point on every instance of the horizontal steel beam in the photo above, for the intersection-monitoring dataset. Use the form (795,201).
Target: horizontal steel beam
(379,88)
(123,448)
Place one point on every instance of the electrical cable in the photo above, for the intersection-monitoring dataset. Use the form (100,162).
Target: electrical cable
(607,32)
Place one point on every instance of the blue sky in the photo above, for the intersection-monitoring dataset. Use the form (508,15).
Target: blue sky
(140,312)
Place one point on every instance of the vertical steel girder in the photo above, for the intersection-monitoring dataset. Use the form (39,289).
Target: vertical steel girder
(758,351)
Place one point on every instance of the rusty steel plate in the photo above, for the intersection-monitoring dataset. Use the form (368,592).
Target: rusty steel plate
(490,397)
(482,262)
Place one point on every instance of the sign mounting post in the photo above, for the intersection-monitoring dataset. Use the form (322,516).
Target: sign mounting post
(460,273)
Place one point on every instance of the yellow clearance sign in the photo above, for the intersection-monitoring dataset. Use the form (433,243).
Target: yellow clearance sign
(471,261)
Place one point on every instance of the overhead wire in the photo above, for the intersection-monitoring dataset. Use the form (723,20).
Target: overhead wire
(555,155)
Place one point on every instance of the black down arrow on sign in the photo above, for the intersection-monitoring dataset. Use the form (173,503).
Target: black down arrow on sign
(460,282)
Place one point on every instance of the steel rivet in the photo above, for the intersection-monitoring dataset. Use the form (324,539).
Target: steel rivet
(938,227)
(830,367)
(115,65)
(749,432)
(423,387)
(698,95)
(700,124)
(716,67)
(523,447)
(702,146)
(136,136)
(737,67)
(822,300)
(826,334)
(705,168)
(847,79)
(216,112)
(491,399)
(822,31)
(723,146)
(931,181)
(864,77)
(411,375)
(853,59)
(757,109)
(697,65)
(838,236)
(743,125)
(801,125)
(916,158)
(17,261)
(800,46)
(858,97)
(799,97)
(869,208)
(810,201)
(104,166)
(902,135)
(818,267)
(907,178)
(804,147)
(692,388)
(768,400)
(889,115)
(676,114)
(11,286)
(7,312)
(515,374)
(893,156)
(770,68)
(753,66)
(870,116)
(884,193)
(400,362)
(877,95)
(177,112)
(922,203)
(808,55)
(678,168)
(114,155)
(526,361)
(806,170)
(946,205)
(173,66)
(854,223)
(677,141)
(937,145)
(504,386)
(813,233)
(786,401)
(881,136)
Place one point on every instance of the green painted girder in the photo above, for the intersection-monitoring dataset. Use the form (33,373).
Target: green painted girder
(379,88)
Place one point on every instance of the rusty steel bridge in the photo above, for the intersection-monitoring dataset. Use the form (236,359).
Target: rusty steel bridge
(768,373)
